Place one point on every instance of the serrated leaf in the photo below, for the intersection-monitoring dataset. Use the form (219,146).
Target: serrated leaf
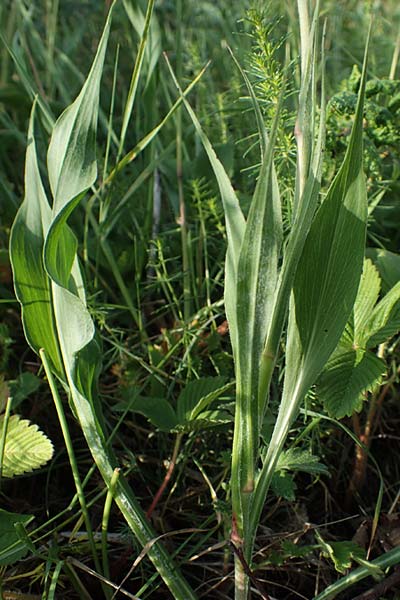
(26,447)
(197,395)
(345,379)
(158,410)
(367,296)
(11,548)
(283,485)
(388,264)
(296,459)
(384,322)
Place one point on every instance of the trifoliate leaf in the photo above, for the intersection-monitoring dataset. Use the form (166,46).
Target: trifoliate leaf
(26,447)
(384,322)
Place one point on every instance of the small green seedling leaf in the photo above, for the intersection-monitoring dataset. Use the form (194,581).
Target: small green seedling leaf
(26,447)
(11,547)
(197,395)
(342,554)
(296,459)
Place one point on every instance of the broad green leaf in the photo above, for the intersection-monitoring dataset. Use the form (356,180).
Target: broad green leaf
(32,286)
(384,322)
(296,459)
(197,395)
(71,163)
(346,378)
(158,410)
(388,265)
(11,548)
(26,447)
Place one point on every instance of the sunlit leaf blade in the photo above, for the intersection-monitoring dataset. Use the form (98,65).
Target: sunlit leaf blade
(71,163)
(384,322)
(345,380)
(367,296)
(32,285)
(26,447)
(257,276)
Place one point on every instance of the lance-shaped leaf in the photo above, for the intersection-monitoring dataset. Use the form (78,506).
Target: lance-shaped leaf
(62,292)
(324,291)
(71,163)
(32,285)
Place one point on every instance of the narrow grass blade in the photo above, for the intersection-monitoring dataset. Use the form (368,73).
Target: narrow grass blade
(235,221)
(136,72)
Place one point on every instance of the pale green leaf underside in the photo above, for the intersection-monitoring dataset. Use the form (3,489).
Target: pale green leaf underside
(26,448)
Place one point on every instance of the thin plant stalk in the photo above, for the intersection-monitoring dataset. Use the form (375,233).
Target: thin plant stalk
(179,173)
(104,527)
(71,455)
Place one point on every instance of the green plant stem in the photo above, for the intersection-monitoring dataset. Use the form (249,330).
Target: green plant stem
(3,437)
(71,455)
(104,525)
(179,174)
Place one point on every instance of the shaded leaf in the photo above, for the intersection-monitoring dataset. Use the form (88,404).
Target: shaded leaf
(158,410)
(197,395)
(11,548)
(283,485)
(388,265)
